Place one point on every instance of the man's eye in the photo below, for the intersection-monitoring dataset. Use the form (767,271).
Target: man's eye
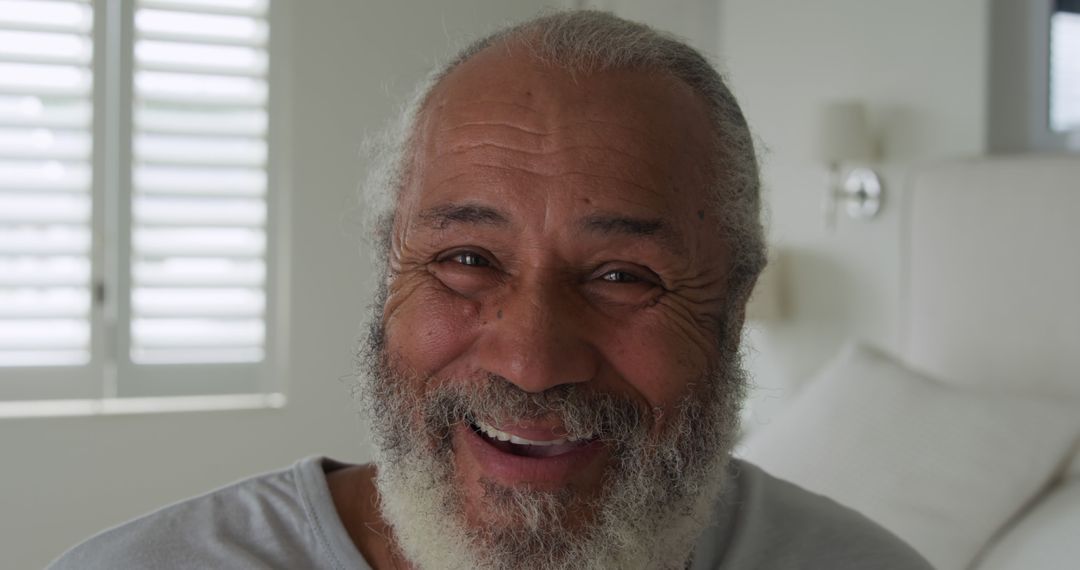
(470,259)
(620,277)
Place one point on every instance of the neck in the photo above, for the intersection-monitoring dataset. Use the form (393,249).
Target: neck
(356,499)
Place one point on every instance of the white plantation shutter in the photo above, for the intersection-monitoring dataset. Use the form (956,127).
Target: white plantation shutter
(136,215)
(199,182)
(46,52)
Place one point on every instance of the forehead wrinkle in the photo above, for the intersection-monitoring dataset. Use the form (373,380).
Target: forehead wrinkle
(592,126)
(459,116)
(473,169)
(571,149)
(496,124)
(543,133)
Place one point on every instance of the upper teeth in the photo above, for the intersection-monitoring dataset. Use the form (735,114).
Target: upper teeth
(503,436)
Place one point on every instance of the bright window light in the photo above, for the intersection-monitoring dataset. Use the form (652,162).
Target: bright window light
(1065,71)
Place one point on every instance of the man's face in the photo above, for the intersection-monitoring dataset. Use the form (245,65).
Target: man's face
(555,239)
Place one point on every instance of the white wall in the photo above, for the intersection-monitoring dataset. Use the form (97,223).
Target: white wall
(921,68)
(63,479)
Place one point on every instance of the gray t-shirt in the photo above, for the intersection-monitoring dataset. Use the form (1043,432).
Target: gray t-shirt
(287,519)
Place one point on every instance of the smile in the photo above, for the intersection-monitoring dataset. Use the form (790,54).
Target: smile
(524,447)
(515,454)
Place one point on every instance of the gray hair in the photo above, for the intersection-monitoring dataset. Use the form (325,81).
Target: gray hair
(586,42)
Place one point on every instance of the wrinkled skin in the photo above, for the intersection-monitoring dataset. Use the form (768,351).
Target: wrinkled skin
(556,229)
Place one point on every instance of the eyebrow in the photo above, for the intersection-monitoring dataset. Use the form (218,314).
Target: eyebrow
(442,216)
(654,229)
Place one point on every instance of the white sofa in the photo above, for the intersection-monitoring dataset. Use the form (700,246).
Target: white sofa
(965,443)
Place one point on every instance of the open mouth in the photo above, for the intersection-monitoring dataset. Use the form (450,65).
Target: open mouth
(522,447)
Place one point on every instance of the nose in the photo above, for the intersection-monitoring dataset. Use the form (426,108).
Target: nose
(537,339)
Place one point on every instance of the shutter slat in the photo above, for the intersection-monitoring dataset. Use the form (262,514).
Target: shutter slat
(28,208)
(10,357)
(201,58)
(23,303)
(236,7)
(22,175)
(71,16)
(206,122)
(200,181)
(45,143)
(198,242)
(41,334)
(200,28)
(192,302)
(210,151)
(42,47)
(179,272)
(44,240)
(196,355)
(200,38)
(34,111)
(198,89)
(153,211)
(41,271)
(44,79)
(199,333)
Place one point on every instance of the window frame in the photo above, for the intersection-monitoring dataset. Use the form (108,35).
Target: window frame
(1018,101)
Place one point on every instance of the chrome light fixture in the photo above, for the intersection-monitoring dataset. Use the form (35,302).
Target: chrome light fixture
(845,139)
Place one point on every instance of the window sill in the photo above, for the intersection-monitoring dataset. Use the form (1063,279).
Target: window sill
(128,406)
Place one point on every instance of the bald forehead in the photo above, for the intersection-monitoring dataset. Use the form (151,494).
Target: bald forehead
(659,117)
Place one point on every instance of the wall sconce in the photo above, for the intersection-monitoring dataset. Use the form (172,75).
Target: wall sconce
(845,138)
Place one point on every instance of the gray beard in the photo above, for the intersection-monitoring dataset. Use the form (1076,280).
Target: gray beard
(658,493)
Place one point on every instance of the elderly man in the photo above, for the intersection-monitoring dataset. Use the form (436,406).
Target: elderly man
(571,232)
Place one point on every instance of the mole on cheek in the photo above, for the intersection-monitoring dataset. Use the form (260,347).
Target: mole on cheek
(498,315)
(701,214)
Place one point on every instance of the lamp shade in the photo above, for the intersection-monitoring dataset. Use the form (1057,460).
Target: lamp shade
(844,134)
